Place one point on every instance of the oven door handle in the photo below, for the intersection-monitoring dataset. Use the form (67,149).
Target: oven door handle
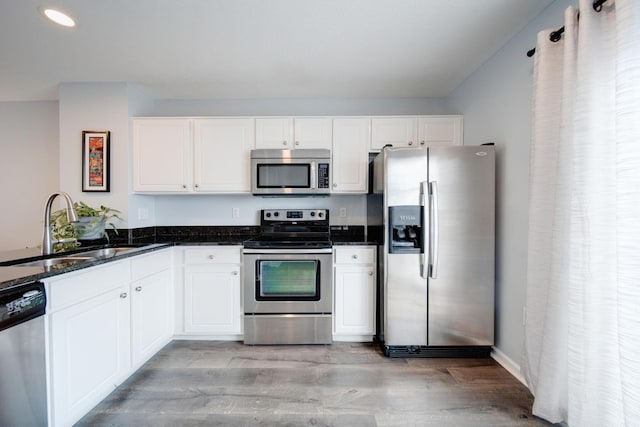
(287,251)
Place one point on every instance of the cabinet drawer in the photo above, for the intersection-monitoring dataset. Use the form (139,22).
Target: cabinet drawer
(144,265)
(355,255)
(208,255)
(73,288)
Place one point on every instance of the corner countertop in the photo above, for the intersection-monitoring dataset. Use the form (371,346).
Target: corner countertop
(13,276)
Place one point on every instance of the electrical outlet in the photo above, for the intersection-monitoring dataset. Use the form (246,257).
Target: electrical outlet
(143,213)
(235,213)
(343,212)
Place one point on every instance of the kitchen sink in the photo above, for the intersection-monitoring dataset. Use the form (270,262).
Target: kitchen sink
(104,252)
(51,262)
(62,260)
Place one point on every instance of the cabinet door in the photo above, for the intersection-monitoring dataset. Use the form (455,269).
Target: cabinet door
(151,315)
(397,131)
(212,299)
(274,132)
(90,353)
(312,133)
(161,155)
(355,300)
(222,149)
(440,130)
(350,155)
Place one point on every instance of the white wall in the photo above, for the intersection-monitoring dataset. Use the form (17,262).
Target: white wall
(217,210)
(496,104)
(300,107)
(28,169)
(95,106)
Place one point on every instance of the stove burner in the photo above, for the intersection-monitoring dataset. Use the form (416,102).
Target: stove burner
(286,244)
(292,229)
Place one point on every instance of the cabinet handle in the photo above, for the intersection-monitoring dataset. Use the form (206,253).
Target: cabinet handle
(421,142)
(211,257)
(197,185)
(123,295)
(335,185)
(284,142)
(184,186)
(235,273)
(297,142)
(138,288)
(371,273)
(410,142)
(354,256)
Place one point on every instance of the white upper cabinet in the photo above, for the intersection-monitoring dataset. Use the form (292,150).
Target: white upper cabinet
(440,130)
(289,133)
(396,131)
(349,152)
(222,149)
(162,155)
(312,133)
(405,131)
(208,155)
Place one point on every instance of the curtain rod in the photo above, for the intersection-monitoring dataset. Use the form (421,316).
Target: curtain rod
(557,34)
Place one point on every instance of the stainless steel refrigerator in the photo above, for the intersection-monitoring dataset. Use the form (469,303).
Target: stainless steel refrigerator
(433,209)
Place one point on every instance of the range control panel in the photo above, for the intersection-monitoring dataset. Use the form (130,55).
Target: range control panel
(294,215)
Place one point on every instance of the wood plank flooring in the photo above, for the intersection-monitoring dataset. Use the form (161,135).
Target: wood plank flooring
(202,383)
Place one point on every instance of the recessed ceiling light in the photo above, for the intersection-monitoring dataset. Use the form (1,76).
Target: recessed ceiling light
(59,17)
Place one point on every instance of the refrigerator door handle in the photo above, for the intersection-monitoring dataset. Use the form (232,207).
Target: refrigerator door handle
(424,254)
(433,228)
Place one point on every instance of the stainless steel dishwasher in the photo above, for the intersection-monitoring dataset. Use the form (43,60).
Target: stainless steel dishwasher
(23,392)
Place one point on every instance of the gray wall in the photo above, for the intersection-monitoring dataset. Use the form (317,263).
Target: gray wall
(496,104)
(28,169)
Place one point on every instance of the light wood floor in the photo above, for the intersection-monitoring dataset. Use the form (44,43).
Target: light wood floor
(197,383)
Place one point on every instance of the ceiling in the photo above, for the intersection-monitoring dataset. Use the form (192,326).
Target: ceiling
(247,49)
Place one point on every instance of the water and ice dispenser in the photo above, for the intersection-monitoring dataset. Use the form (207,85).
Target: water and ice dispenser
(405,229)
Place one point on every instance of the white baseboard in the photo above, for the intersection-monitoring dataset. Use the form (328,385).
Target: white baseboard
(209,337)
(512,367)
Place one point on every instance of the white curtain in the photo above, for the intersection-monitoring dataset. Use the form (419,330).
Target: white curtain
(581,356)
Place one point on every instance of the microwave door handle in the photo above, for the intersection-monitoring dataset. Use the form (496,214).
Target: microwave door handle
(424,250)
(312,181)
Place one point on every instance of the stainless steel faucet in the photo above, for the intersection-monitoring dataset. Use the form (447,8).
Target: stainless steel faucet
(72,216)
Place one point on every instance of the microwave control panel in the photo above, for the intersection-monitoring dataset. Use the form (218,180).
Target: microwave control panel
(323,175)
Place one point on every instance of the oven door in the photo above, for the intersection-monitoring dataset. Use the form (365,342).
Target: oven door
(288,281)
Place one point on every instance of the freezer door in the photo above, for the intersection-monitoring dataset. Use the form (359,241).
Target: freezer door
(461,286)
(404,290)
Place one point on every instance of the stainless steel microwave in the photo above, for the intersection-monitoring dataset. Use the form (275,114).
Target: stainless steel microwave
(291,172)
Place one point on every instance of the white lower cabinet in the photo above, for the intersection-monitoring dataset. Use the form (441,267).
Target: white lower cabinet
(354,293)
(89,339)
(103,323)
(151,305)
(212,292)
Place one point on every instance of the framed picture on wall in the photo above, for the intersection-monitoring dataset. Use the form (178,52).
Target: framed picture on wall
(95,160)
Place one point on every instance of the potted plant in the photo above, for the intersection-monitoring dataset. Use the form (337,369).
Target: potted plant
(92,223)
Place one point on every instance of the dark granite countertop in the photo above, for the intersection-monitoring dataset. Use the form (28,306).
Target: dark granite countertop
(153,238)
(13,276)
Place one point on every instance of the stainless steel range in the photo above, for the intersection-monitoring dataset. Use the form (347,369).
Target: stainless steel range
(288,279)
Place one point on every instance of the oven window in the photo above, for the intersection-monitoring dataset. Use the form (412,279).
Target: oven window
(290,175)
(288,280)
